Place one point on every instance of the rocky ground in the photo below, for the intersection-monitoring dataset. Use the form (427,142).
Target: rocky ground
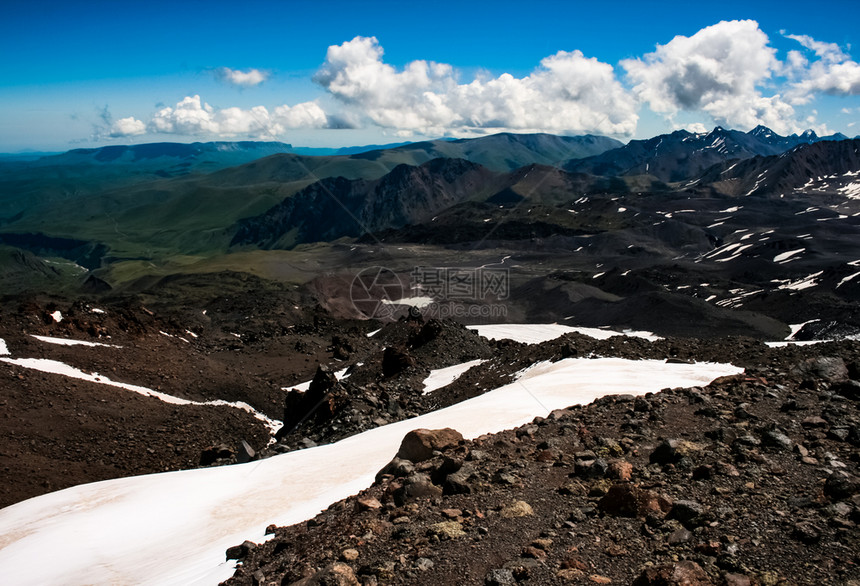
(751,480)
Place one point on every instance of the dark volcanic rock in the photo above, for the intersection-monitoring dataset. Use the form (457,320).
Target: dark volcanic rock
(627,500)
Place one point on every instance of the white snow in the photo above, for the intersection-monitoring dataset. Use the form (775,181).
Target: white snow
(797,327)
(443,377)
(192,334)
(4,349)
(374,332)
(58,316)
(846,279)
(804,283)
(96,310)
(852,190)
(173,528)
(786,255)
(621,210)
(68,342)
(537,333)
(56,367)
(418,301)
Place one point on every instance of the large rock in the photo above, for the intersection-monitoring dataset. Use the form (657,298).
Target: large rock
(321,401)
(336,574)
(684,573)
(627,500)
(416,485)
(671,451)
(396,359)
(829,368)
(419,444)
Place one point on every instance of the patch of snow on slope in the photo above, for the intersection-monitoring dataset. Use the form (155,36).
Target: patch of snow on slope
(804,283)
(68,342)
(787,255)
(58,316)
(846,279)
(175,526)
(852,190)
(4,349)
(443,377)
(797,327)
(418,302)
(537,333)
(56,367)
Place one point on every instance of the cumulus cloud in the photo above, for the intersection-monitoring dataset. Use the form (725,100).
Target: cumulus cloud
(192,116)
(239,78)
(127,127)
(719,71)
(567,93)
(833,72)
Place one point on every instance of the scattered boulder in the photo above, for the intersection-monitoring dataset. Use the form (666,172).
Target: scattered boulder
(336,574)
(240,552)
(841,485)
(419,444)
(500,577)
(671,451)
(396,359)
(517,509)
(627,500)
(215,454)
(828,368)
(685,573)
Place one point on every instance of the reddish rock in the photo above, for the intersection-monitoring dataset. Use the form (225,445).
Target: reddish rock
(620,470)
(419,444)
(625,500)
(337,574)
(684,573)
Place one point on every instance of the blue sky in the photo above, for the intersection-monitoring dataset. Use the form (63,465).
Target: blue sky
(96,73)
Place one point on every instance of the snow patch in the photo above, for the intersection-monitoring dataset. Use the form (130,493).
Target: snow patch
(801,284)
(4,349)
(787,255)
(846,279)
(58,316)
(443,377)
(537,333)
(418,302)
(177,525)
(67,342)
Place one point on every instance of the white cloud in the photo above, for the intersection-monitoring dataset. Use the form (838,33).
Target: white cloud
(830,52)
(248,78)
(696,128)
(719,71)
(192,116)
(567,93)
(834,72)
(127,127)
(304,115)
